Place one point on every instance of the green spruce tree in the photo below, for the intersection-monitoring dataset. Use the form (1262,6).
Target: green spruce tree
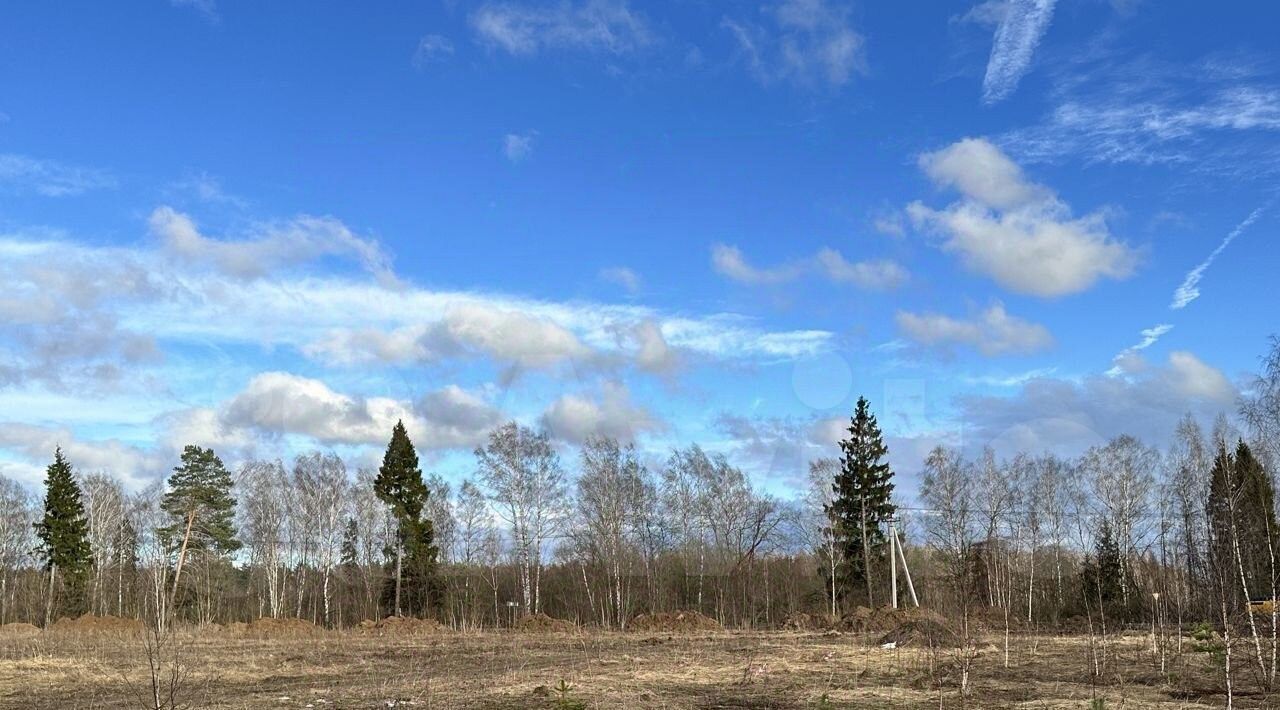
(1242,517)
(415,584)
(63,532)
(1102,574)
(861,504)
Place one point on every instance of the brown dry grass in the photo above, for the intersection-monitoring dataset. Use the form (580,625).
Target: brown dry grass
(321,669)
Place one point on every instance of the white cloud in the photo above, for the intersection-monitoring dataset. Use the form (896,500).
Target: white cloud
(1128,359)
(991,332)
(650,349)
(592,25)
(456,418)
(509,336)
(59,323)
(50,178)
(206,188)
(880,274)
(1067,416)
(518,146)
(1015,231)
(278,403)
(890,223)
(281,403)
(36,444)
(575,417)
(1190,288)
(300,240)
(1017,36)
(85,317)
(807,42)
(432,49)
(728,261)
(624,277)
(979,170)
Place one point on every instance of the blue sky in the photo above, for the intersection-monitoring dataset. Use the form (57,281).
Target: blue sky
(273,227)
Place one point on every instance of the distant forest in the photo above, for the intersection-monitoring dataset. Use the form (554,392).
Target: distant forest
(1122,534)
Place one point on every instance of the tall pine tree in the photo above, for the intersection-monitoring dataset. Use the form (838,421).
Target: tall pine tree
(199,500)
(862,503)
(63,532)
(200,494)
(415,584)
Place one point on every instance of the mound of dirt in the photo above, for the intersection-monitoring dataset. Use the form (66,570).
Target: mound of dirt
(401,625)
(19,628)
(922,632)
(907,626)
(90,623)
(267,626)
(677,621)
(541,623)
(800,621)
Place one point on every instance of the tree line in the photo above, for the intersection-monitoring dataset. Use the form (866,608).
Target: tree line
(1114,536)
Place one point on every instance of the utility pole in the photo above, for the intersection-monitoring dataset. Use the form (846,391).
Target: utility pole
(893,562)
(896,555)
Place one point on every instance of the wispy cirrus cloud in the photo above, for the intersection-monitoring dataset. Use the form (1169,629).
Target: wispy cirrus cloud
(625,277)
(93,321)
(50,178)
(591,25)
(1019,32)
(805,42)
(1216,115)
(431,49)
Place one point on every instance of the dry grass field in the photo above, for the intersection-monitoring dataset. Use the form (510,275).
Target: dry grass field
(286,668)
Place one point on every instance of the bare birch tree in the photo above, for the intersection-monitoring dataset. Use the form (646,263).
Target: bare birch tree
(525,480)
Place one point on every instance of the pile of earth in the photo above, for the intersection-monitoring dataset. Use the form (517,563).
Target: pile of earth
(19,628)
(800,621)
(267,626)
(401,625)
(541,623)
(907,626)
(674,621)
(97,624)
(923,632)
